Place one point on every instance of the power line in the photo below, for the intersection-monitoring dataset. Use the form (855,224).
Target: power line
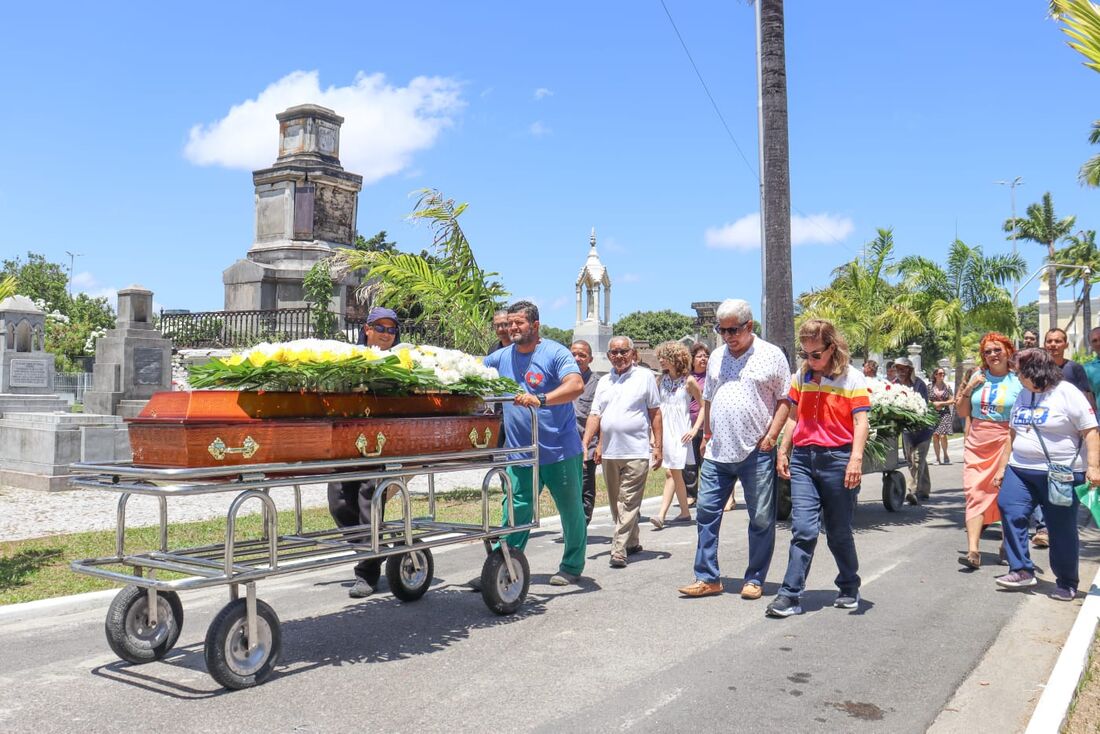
(709,95)
(729,132)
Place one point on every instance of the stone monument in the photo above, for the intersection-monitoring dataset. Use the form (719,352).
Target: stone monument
(39,437)
(26,368)
(594,307)
(132,361)
(306,205)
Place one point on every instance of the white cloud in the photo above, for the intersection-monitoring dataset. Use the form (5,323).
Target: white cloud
(83,280)
(538,129)
(384,125)
(744,234)
(558,303)
(543,93)
(629,278)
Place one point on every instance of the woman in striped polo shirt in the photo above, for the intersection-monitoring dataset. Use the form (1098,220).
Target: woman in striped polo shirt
(828,429)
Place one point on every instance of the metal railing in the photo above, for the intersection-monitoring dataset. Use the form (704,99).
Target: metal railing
(242,329)
(72,383)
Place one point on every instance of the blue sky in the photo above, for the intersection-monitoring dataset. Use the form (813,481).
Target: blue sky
(550,120)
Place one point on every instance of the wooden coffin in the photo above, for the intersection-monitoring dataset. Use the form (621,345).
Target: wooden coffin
(178,443)
(234,405)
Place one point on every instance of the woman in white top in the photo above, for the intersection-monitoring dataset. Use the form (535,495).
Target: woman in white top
(677,388)
(1052,423)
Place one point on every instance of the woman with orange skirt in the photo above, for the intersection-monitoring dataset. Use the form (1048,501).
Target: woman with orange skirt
(987,399)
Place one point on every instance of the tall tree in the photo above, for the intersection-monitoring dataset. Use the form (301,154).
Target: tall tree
(1043,227)
(452,289)
(863,304)
(655,326)
(8,285)
(775,178)
(1081,251)
(1081,22)
(968,292)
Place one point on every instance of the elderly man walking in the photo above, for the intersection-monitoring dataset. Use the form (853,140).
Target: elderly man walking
(744,408)
(625,411)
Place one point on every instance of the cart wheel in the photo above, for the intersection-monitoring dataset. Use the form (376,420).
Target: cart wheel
(782,498)
(228,659)
(406,582)
(128,630)
(893,490)
(503,594)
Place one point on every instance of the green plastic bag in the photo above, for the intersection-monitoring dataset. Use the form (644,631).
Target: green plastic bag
(1090,498)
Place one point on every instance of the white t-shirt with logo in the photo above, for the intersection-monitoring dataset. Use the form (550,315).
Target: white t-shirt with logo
(1061,414)
(623,403)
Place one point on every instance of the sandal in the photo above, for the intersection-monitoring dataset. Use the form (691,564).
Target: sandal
(657,523)
(971,560)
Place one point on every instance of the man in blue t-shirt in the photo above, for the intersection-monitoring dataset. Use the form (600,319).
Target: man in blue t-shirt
(551,380)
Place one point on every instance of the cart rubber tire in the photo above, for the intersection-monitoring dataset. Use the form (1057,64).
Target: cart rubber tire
(227,658)
(127,628)
(406,583)
(893,490)
(782,499)
(501,595)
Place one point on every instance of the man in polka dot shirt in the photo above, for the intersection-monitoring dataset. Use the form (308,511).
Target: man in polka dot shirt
(744,408)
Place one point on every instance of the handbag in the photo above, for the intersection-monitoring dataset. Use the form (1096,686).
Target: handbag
(1059,476)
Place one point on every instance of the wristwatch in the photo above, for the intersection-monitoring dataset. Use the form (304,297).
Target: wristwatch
(542,399)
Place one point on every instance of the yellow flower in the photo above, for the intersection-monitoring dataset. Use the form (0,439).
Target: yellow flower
(404,357)
(257,358)
(234,360)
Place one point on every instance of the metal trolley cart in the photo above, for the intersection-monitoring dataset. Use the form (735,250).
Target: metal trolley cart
(893,482)
(243,642)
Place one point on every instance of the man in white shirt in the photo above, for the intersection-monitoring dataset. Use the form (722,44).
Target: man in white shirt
(625,410)
(744,408)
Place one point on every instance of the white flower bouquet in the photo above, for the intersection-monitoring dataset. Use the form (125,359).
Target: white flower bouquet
(895,408)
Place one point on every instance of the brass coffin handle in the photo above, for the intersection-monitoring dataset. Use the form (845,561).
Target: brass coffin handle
(488,438)
(219,450)
(379,443)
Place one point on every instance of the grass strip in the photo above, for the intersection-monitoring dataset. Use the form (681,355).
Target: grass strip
(38,568)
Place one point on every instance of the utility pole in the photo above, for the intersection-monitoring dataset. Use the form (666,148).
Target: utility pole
(1018,181)
(72,259)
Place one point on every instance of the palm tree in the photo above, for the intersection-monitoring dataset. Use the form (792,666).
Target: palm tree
(1083,253)
(775,178)
(1081,22)
(1043,227)
(968,292)
(7,286)
(863,304)
(449,286)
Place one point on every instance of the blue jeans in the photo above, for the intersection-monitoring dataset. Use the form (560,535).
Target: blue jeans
(757,474)
(817,489)
(1021,492)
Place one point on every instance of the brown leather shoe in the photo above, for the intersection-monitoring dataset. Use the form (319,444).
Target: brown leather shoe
(751,591)
(702,588)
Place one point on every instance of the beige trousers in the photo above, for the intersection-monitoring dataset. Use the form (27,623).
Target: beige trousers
(625,480)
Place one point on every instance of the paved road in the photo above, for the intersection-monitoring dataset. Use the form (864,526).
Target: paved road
(621,651)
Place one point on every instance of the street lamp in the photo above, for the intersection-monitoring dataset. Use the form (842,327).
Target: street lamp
(1018,181)
(72,259)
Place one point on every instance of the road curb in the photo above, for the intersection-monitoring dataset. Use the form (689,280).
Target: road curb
(1058,693)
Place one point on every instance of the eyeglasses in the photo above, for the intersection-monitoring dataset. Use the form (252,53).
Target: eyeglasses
(731,330)
(991,352)
(813,355)
(617,352)
(384,329)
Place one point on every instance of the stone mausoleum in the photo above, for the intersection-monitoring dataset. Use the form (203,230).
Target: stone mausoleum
(306,205)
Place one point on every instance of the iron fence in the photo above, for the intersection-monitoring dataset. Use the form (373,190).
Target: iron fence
(72,383)
(243,329)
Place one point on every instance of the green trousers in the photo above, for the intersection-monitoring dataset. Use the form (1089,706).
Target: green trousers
(563,479)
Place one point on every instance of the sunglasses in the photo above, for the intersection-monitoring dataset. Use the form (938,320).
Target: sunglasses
(802,354)
(617,352)
(991,352)
(384,329)
(731,330)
